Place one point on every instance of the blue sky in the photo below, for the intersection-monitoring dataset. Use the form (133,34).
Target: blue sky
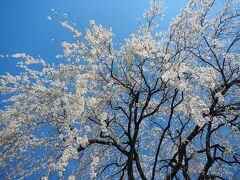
(25,28)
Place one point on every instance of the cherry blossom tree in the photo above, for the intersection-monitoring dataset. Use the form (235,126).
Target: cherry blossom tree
(162,105)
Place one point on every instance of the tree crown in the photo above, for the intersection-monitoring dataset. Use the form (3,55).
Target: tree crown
(162,105)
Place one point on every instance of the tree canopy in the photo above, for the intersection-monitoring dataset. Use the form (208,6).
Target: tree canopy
(161,105)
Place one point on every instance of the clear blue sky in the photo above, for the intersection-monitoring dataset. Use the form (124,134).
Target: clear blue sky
(25,28)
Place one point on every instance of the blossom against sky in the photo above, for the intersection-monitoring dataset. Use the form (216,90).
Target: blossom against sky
(182,84)
(25,27)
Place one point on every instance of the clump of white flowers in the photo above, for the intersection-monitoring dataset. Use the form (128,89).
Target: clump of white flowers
(93,166)
(71,177)
(71,28)
(220,97)
(83,141)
